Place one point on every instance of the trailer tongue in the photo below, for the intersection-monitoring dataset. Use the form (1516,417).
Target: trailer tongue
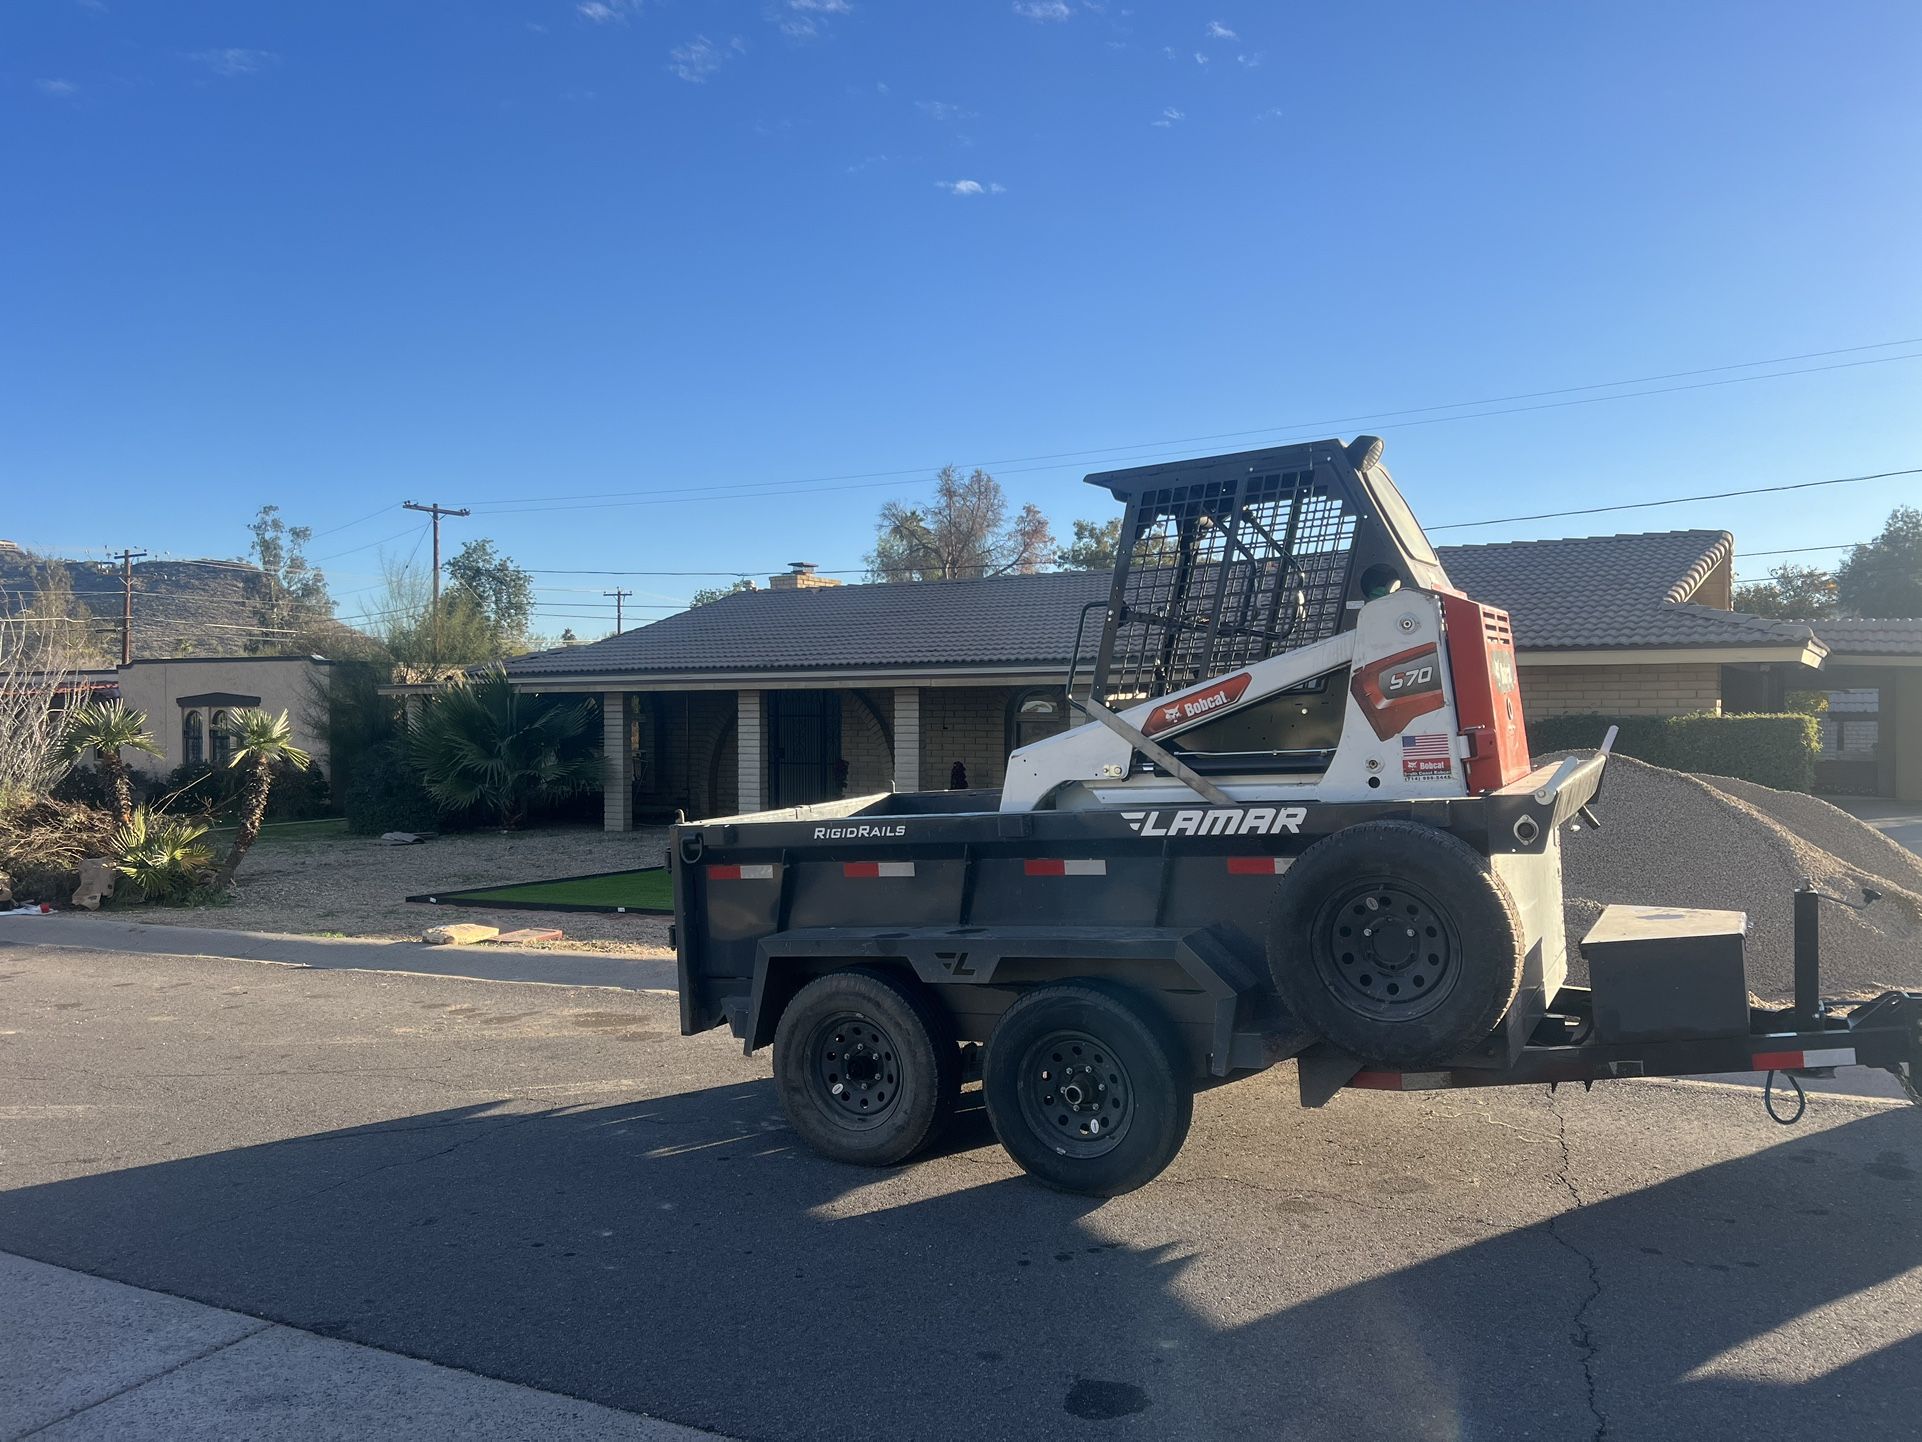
(1300,822)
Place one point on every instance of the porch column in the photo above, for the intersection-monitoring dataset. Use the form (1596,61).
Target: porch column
(907,738)
(750,744)
(617,764)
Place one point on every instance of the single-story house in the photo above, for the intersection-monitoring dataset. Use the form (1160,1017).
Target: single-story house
(188,699)
(809,689)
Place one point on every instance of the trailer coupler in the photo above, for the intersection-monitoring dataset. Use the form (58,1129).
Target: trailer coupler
(1884,1033)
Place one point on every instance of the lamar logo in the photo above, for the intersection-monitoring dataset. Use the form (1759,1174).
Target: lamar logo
(1240,821)
(1180,710)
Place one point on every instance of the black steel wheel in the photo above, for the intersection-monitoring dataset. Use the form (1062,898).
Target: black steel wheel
(1088,1088)
(1396,942)
(866,1066)
(1076,1092)
(1386,949)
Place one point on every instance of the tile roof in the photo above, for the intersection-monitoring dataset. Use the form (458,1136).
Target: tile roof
(1611,592)
(1010,620)
(1865,636)
(1595,592)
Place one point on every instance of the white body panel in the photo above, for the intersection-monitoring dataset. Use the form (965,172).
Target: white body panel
(1089,766)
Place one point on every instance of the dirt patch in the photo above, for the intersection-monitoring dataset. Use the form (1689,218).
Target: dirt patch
(1670,839)
(334,884)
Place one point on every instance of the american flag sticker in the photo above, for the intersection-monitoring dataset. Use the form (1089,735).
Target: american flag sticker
(1429,755)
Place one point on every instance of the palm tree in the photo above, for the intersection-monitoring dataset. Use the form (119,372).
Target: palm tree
(261,743)
(109,727)
(481,743)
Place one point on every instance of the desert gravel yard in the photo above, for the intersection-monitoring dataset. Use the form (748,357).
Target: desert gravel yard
(321,881)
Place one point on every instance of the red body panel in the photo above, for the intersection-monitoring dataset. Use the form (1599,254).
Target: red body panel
(1488,699)
(1396,689)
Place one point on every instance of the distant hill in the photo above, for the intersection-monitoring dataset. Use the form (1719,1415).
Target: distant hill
(180,608)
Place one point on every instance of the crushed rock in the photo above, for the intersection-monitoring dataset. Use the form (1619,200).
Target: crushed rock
(1672,839)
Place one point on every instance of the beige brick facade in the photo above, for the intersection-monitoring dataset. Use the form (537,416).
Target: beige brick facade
(867,748)
(1621,690)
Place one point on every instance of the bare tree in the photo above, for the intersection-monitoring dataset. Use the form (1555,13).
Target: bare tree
(963,534)
(37,663)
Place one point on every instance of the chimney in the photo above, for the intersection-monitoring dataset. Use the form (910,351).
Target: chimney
(799,576)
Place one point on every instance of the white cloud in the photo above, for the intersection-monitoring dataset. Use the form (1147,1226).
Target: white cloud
(1170,117)
(1042,11)
(1200,59)
(822,7)
(1218,31)
(235,61)
(943,111)
(608,12)
(1253,61)
(701,57)
(1273,112)
(971,187)
(59,88)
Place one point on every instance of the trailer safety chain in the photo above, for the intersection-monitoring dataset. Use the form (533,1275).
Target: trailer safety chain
(1768,1099)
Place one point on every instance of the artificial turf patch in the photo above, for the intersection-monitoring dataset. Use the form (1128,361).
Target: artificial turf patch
(646,891)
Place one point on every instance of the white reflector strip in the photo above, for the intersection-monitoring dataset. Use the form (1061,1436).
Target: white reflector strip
(1834,1056)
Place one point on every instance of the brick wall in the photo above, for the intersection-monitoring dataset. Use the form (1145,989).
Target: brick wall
(864,745)
(691,736)
(1621,690)
(968,724)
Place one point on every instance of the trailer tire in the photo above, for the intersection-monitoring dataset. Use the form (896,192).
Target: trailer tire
(866,1066)
(1396,942)
(1064,1060)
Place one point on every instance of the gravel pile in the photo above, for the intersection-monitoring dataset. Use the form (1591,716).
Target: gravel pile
(1671,839)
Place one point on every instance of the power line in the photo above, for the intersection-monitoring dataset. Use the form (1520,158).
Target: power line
(680,495)
(1675,500)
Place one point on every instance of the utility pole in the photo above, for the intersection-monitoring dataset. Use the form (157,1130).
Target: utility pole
(436,511)
(127,558)
(618,596)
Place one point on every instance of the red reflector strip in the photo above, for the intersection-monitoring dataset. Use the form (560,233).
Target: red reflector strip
(1796,1060)
(860,869)
(764,872)
(1055,866)
(1257,865)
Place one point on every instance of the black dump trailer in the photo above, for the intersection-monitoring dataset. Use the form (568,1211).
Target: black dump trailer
(1299,822)
(1096,971)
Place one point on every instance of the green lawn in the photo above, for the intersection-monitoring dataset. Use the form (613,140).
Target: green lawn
(634,890)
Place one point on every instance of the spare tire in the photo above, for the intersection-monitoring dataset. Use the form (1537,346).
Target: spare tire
(1396,942)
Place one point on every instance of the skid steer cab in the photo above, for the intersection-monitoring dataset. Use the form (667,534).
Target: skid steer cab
(1298,821)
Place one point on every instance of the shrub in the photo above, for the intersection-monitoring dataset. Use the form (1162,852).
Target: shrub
(385,794)
(1771,750)
(213,793)
(482,745)
(165,857)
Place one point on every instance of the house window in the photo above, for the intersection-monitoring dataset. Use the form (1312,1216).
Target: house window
(1035,714)
(190,739)
(222,737)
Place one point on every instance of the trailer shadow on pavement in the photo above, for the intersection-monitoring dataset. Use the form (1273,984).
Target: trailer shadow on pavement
(683,1257)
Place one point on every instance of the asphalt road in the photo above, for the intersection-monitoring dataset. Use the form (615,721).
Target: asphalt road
(550,1186)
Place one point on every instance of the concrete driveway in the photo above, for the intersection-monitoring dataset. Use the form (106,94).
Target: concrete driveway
(549,1186)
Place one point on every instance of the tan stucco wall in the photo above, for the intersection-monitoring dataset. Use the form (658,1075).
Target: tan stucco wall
(283,683)
(1621,690)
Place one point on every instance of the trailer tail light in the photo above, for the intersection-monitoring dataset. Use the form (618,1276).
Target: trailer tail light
(1055,866)
(1257,865)
(865,869)
(763,872)
(1801,1060)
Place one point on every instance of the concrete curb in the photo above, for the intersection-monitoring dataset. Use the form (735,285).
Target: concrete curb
(475,963)
(92,1358)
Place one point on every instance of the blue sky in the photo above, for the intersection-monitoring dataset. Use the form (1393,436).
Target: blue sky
(533,256)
